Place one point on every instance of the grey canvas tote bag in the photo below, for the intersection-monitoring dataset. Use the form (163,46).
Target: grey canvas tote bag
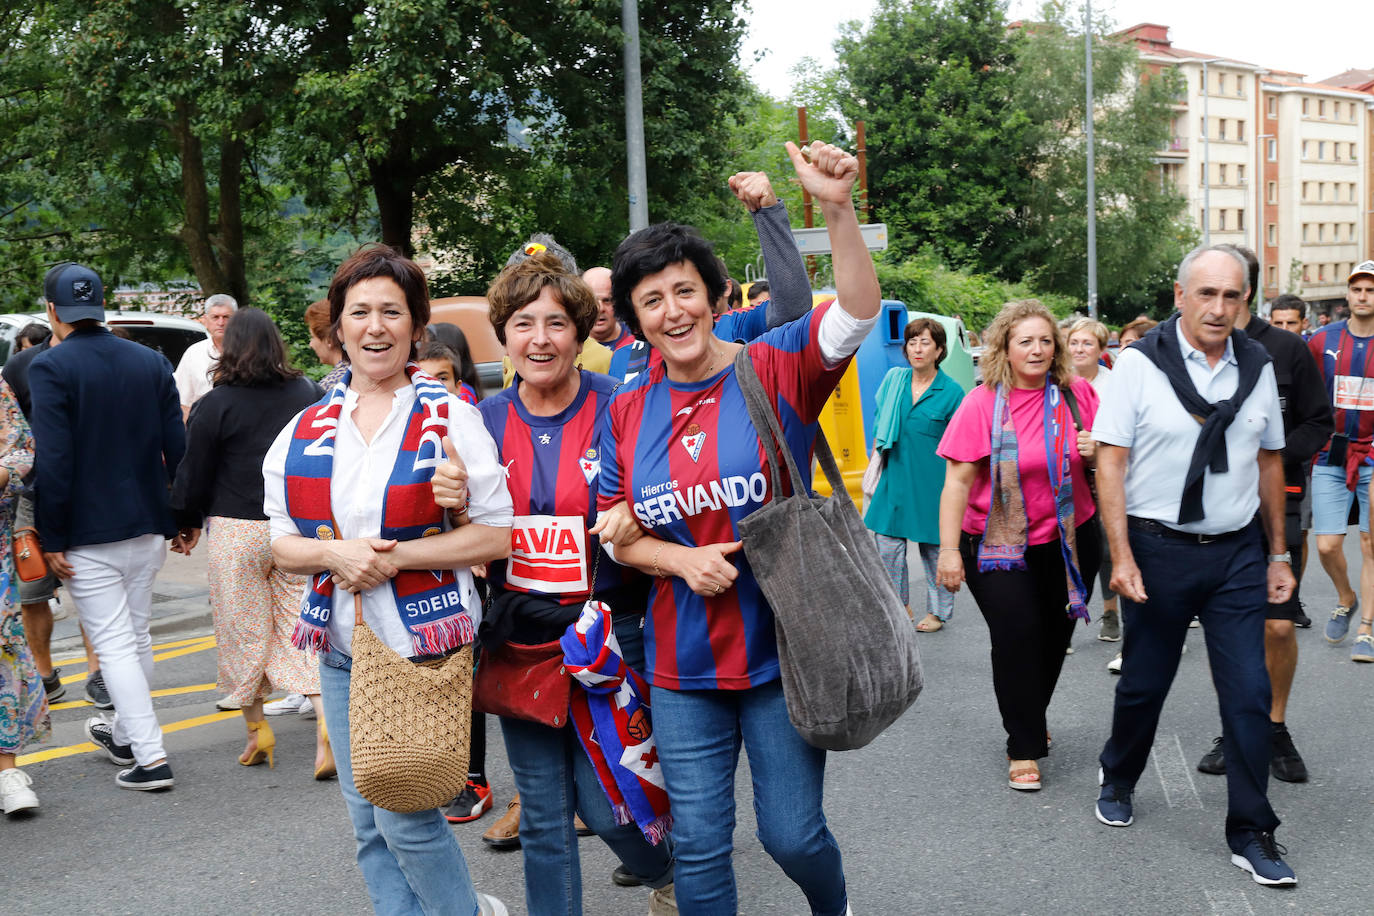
(846,646)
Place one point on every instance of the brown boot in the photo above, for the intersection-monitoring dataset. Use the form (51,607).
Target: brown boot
(505,833)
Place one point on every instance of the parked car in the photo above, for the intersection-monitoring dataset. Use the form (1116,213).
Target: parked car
(169,335)
(472,316)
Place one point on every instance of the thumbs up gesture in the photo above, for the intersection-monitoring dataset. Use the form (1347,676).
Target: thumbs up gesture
(450,481)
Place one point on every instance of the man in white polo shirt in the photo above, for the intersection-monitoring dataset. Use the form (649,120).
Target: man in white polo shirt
(1190,486)
(195,372)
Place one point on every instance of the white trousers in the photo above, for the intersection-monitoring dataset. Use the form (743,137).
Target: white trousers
(112,585)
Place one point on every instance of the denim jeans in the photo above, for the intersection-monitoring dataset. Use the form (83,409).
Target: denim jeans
(411,862)
(699,734)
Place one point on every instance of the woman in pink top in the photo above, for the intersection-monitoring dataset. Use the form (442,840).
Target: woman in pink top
(1016,517)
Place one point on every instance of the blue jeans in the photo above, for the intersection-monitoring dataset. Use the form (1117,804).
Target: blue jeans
(1223,584)
(699,734)
(411,862)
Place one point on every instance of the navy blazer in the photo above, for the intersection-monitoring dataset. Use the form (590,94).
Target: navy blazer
(108,434)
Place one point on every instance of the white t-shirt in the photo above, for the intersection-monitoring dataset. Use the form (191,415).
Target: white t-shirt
(194,373)
(361,471)
(1140,411)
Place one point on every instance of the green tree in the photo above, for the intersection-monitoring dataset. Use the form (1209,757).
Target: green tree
(1141,233)
(949,157)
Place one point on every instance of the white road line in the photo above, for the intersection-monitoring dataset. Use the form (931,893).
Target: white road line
(1231,902)
(1179,790)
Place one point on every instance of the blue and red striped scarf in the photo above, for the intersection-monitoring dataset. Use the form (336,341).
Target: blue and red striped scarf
(611,715)
(429,602)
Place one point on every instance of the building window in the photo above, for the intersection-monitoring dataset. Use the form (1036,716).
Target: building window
(1306,273)
(1273,150)
(1273,275)
(1305,146)
(1304,233)
(1240,220)
(1321,149)
(1321,232)
(1202,174)
(1221,128)
(1321,273)
(1321,108)
(1272,232)
(1240,130)
(1272,192)
(1221,220)
(1304,114)
(1272,106)
(1221,173)
(1240,174)
(1221,84)
(1304,190)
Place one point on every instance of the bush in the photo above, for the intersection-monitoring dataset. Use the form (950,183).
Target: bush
(924,283)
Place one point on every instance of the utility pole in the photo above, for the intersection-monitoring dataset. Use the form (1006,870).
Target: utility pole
(636,172)
(1092,170)
(862,154)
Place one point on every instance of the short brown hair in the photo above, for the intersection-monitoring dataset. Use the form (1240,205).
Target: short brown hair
(918,326)
(317,318)
(377,260)
(520,284)
(995,364)
(1141,326)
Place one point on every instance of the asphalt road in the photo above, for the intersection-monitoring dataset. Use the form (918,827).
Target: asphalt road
(923,816)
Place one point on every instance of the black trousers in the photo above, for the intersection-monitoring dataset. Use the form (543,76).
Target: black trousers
(1027,617)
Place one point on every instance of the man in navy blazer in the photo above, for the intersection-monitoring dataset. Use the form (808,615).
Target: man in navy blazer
(107,425)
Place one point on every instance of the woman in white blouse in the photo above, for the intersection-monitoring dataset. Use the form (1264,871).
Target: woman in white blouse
(348,494)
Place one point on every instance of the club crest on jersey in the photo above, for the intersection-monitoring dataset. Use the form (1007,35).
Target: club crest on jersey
(694,440)
(590,465)
(545,439)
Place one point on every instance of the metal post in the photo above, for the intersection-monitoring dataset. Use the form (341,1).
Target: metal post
(1206,161)
(636,171)
(862,154)
(1092,176)
(807,210)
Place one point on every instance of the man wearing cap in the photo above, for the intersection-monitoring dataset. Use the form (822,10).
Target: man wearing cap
(108,429)
(195,372)
(1341,472)
(1190,487)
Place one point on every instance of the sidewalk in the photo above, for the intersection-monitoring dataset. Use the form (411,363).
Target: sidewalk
(181,601)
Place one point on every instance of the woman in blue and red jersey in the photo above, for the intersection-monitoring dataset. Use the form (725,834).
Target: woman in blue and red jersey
(680,450)
(545,427)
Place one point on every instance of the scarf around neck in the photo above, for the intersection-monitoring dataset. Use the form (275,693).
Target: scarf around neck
(1003,545)
(611,714)
(429,602)
(1160,346)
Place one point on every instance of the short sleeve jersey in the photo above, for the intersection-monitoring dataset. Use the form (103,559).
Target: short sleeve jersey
(688,461)
(1347,364)
(969,438)
(552,465)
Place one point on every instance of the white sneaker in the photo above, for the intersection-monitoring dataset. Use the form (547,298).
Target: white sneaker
(307,710)
(1114,666)
(288,704)
(488,905)
(15,792)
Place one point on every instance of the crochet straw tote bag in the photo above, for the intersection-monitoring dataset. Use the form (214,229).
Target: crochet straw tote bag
(408,723)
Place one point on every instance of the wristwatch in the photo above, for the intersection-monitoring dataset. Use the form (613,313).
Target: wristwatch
(1281,558)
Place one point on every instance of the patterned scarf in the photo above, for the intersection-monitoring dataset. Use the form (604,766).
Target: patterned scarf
(429,602)
(1004,542)
(611,714)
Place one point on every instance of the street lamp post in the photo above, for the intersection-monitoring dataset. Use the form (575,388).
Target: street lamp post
(1092,177)
(637,173)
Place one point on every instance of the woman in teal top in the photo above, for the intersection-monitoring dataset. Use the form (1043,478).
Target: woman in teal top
(913,408)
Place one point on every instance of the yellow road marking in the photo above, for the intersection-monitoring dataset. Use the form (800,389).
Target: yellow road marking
(179,648)
(86,747)
(169,692)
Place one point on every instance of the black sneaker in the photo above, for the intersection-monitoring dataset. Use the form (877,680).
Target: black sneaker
(1284,760)
(1214,761)
(101,734)
(146,779)
(1300,619)
(96,692)
(53,686)
(623,877)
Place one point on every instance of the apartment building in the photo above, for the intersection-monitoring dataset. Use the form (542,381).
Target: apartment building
(1271,161)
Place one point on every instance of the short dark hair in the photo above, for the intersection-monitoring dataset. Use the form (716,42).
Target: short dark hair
(434,349)
(917,326)
(35,333)
(521,283)
(734,293)
(253,354)
(378,260)
(649,251)
(452,336)
(1289,303)
(758,286)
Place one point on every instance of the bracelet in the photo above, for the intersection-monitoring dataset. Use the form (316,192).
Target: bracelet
(658,572)
(955,549)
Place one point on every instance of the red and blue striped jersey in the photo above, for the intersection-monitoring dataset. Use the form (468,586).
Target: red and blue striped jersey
(687,459)
(552,465)
(1348,372)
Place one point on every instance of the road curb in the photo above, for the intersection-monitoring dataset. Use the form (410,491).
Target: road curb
(160,626)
